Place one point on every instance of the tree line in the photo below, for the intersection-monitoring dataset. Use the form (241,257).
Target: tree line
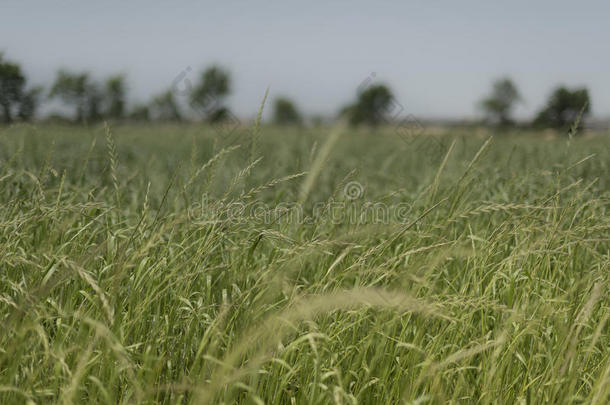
(91,101)
(565,107)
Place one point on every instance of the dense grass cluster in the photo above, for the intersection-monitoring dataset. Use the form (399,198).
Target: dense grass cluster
(126,276)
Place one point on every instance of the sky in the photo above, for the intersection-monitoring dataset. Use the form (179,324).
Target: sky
(439,57)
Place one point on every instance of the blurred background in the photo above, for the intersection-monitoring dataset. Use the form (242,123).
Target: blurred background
(520,63)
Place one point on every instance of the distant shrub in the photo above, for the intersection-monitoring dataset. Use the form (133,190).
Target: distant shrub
(285,112)
(372,107)
(499,105)
(564,108)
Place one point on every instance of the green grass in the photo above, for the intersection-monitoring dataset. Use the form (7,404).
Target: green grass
(128,276)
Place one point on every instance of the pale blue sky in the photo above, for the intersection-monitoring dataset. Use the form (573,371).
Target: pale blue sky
(439,56)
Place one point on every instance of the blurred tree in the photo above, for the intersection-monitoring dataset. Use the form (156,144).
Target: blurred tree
(218,115)
(563,108)
(15,99)
(29,103)
(285,113)
(77,89)
(94,101)
(165,108)
(140,113)
(499,105)
(373,106)
(115,94)
(208,96)
(12,82)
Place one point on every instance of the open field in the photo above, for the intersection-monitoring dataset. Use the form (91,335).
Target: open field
(179,264)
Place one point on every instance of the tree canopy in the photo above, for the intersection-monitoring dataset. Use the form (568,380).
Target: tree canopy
(115,96)
(564,107)
(208,96)
(15,99)
(164,107)
(499,105)
(372,107)
(285,112)
(77,90)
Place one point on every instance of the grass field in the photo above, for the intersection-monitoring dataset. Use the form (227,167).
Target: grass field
(179,264)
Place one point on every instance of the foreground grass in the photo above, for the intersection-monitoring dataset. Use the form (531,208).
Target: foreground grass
(128,276)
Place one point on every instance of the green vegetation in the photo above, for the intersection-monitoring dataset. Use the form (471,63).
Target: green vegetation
(373,107)
(15,99)
(116,94)
(91,101)
(285,112)
(499,105)
(128,276)
(563,108)
(208,97)
(205,100)
(163,107)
